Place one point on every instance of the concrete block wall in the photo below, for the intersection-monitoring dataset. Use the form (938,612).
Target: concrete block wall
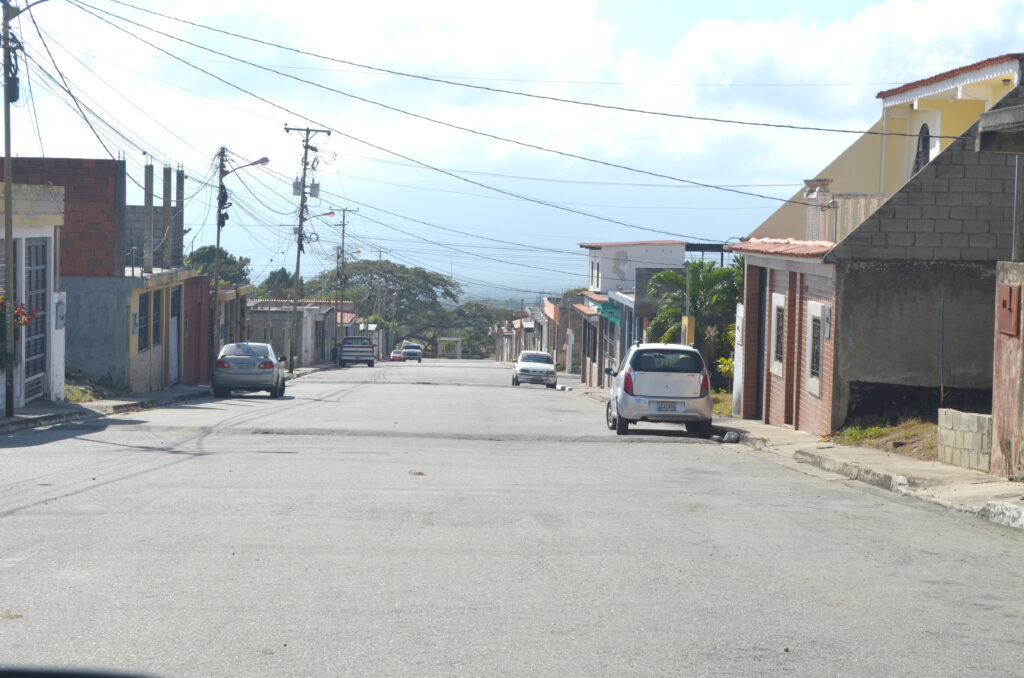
(965,439)
(959,207)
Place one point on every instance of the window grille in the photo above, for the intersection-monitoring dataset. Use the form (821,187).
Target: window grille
(143,321)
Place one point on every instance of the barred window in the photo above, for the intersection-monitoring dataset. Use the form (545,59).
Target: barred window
(780,325)
(157,298)
(815,348)
(143,321)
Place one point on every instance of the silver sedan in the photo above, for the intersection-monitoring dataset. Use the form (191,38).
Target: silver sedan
(248,367)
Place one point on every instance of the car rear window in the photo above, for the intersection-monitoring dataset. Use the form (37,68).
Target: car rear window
(356,341)
(258,350)
(667,361)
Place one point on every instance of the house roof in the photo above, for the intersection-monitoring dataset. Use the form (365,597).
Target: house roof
(981,65)
(585,310)
(600,245)
(595,296)
(785,247)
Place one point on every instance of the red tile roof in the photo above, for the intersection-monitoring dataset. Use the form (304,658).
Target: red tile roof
(584,309)
(949,74)
(599,245)
(788,247)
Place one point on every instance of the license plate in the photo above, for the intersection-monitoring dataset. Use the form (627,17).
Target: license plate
(666,406)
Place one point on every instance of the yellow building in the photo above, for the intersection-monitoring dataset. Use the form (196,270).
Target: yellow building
(919,120)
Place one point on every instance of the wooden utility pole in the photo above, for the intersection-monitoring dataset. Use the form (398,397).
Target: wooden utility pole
(340,303)
(10,96)
(306,148)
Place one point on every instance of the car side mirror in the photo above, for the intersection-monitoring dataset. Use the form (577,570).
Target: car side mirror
(610,371)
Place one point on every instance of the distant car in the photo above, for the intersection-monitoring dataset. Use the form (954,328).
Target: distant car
(247,367)
(396,356)
(411,351)
(534,367)
(660,382)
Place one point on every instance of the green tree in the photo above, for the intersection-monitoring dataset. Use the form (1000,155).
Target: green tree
(232,270)
(411,301)
(280,284)
(714,293)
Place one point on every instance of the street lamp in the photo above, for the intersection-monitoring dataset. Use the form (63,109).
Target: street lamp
(295,290)
(222,218)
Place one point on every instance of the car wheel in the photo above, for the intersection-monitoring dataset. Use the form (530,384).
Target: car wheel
(420,360)
(550,385)
(609,418)
(700,428)
(275,391)
(515,382)
(369,363)
(621,426)
(220,392)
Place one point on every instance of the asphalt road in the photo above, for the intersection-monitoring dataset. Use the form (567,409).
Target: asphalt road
(432,520)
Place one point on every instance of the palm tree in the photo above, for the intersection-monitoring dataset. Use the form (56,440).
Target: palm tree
(714,293)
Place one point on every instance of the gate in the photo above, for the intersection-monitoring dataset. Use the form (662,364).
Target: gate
(174,339)
(36,297)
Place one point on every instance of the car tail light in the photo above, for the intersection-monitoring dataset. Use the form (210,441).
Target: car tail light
(266,365)
(223,365)
(627,381)
(705,385)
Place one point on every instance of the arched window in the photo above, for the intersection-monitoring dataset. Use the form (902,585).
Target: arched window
(924,142)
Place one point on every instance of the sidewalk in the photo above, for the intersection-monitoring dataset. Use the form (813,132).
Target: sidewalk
(972,492)
(47,413)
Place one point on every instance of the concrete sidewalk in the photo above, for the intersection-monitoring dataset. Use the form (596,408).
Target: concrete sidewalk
(47,413)
(973,492)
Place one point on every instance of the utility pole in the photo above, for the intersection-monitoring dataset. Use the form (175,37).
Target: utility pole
(10,96)
(306,148)
(222,219)
(340,304)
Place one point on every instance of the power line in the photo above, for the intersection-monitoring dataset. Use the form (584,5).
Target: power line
(496,90)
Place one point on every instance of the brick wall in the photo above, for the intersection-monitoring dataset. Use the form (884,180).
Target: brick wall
(751,329)
(814,411)
(958,208)
(92,238)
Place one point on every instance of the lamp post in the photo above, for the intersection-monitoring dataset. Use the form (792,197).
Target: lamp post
(222,218)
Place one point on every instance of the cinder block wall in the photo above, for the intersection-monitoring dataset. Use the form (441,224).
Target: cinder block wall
(965,439)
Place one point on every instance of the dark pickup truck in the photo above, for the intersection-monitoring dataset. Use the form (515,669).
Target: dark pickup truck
(356,350)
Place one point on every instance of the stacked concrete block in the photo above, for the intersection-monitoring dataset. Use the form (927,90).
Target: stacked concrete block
(965,439)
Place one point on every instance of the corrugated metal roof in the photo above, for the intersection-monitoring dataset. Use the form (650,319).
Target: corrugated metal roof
(787,247)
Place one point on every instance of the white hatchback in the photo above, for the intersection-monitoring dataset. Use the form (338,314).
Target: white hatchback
(660,383)
(534,367)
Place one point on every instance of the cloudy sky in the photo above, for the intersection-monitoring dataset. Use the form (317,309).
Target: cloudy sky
(469,177)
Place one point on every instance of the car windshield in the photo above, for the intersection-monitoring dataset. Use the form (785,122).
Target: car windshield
(251,350)
(535,358)
(356,341)
(412,347)
(667,361)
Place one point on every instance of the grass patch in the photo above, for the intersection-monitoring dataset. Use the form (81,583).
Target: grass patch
(910,435)
(78,389)
(721,404)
